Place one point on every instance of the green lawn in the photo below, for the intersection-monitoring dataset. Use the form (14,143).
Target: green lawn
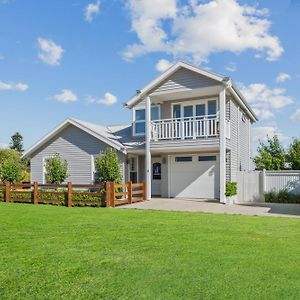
(49,252)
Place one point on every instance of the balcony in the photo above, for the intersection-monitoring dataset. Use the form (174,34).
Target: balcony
(186,128)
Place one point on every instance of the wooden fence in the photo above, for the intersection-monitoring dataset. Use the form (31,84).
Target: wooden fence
(109,194)
(119,194)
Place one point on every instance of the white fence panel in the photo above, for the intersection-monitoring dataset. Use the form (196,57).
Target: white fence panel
(249,186)
(279,180)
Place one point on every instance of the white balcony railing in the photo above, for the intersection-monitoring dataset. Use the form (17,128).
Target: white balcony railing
(185,128)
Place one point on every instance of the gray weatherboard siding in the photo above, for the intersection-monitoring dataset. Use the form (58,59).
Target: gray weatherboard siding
(75,146)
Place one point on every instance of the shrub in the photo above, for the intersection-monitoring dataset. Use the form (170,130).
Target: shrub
(107,166)
(56,169)
(231,189)
(283,196)
(11,171)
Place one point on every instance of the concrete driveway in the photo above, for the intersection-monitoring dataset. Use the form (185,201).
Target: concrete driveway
(209,206)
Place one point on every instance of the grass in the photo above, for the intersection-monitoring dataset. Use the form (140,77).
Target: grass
(49,252)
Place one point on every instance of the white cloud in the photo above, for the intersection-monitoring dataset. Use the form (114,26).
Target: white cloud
(66,96)
(108,99)
(90,10)
(282,77)
(12,86)
(231,67)
(261,134)
(50,53)
(197,29)
(162,65)
(264,99)
(296,115)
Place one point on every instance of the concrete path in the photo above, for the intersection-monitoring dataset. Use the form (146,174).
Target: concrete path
(253,209)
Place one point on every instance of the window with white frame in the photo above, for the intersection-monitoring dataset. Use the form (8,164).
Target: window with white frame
(140,119)
(45,159)
(133,169)
(195,109)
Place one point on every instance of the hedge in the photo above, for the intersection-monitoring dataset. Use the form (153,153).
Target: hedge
(283,196)
(59,197)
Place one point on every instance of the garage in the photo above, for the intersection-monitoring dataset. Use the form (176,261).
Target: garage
(194,176)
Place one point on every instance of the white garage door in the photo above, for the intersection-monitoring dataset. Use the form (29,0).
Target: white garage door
(194,176)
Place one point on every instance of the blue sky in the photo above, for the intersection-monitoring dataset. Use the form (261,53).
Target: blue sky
(83,59)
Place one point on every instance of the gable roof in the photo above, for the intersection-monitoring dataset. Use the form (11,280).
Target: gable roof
(221,79)
(169,72)
(102,133)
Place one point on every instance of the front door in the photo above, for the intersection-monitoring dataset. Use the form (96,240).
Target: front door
(156,176)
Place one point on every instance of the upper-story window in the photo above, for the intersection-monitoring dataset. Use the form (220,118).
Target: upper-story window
(197,110)
(140,119)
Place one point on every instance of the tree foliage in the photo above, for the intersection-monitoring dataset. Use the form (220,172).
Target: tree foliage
(107,165)
(56,169)
(16,142)
(294,154)
(271,155)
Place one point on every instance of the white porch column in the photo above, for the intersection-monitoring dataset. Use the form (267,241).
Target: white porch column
(147,150)
(222,101)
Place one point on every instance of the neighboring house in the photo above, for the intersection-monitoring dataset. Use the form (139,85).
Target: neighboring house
(190,133)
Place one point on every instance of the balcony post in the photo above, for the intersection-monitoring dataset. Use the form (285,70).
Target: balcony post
(147,148)
(222,100)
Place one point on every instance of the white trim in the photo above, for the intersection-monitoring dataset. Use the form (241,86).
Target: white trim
(148,149)
(169,176)
(222,136)
(93,169)
(77,124)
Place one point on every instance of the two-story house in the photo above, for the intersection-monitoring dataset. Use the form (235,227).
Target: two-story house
(190,133)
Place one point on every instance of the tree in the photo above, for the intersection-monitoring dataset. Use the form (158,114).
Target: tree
(294,154)
(56,169)
(271,155)
(16,142)
(11,171)
(107,165)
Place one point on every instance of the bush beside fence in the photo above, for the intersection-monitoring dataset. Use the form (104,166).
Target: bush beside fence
(109,194)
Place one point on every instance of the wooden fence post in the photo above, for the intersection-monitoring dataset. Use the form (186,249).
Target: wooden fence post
(7,191)
(35,193)
(69,194)
(144,190)
(129,192)
(113,196)
(107,194)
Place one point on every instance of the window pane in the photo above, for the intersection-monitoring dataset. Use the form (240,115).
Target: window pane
(207,158)
(212,107)
(154,113)
(140,115)
(156,171)
(140,127)
(188,111)
(200,110)
(176,111)
(183,158)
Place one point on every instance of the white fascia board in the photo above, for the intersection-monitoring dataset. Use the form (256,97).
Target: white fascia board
(242,102)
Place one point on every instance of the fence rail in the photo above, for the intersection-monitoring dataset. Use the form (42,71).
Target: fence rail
(120,194)
(96,195)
